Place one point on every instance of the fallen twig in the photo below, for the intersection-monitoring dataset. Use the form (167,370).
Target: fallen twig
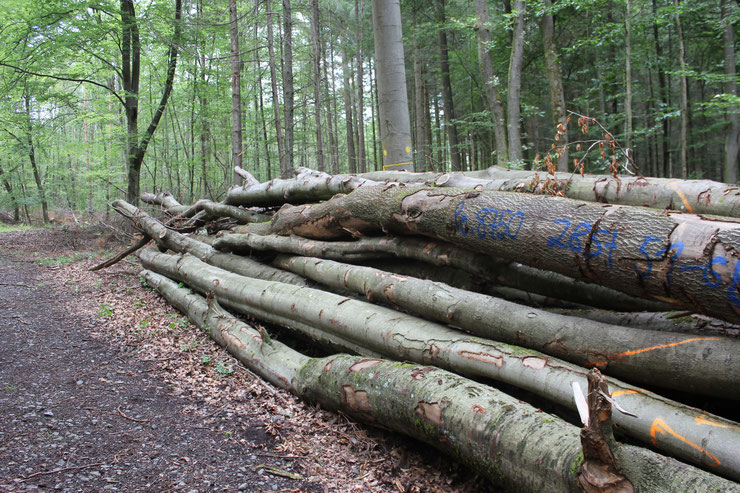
(60,469)
(129,417)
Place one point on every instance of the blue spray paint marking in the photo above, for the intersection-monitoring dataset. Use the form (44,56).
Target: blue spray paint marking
(492,223)
(573,242)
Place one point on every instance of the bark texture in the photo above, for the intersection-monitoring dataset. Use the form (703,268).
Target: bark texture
(682,259)
(387,332)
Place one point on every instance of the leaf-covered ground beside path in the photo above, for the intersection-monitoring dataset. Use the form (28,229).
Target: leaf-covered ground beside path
(104,387)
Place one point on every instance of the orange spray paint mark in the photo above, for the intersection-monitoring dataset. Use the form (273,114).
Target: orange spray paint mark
(703,421)
(674,186)
(662,346)
(627,392)
(660,426)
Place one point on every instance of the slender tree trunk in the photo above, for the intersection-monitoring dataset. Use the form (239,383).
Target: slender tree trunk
(331,114)
(557,94)
(13,200)
(32,158)
(275,98)
(421,133)
(449,106)
(286,163)
(515,82)
(395,129)
(732,139)
(236,92)
(204,116)
(359,73)
(662,92)
(491,82)
(628,76)
(351,153)
(130,72)
(316,58)
(684,93)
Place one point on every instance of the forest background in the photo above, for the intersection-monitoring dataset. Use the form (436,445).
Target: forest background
(172,94)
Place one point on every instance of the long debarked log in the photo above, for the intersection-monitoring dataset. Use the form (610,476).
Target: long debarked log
(165,200)
(439,253)
(704,365)
(510,442)
(386,331)
(682,259)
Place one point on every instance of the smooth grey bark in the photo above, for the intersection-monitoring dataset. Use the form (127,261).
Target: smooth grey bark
(682,259)
(478,424)
(491,81)
(274,89)
(421,106)
(448,100)
(236,92)
(388,332)
(441,254)
(732,139)
(348,112)
(359,73)
(515,82)
(627,75)
(316,59)
(307,186)
(614,349)
(395,127)
(684,94)
(286,164)
(555,81)
(693,196)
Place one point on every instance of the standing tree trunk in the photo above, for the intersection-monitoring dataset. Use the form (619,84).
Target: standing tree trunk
(395,128)
(130,71)
(275,97)
(236,92)
(348,113)
(557,94)
(286,163)
(32,157)
(316,45)
(662,93)
(419,103)
(515,83)
(361,155)
(732,139)
(628,77)
(449,114)
(491,82)
(684,94)
(13,200)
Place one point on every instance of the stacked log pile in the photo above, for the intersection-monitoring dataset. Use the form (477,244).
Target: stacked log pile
(430,293)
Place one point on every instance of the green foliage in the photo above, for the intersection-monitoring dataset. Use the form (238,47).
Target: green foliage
(105,311)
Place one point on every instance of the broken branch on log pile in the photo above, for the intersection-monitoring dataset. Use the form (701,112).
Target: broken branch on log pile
(439,253)
(678,258)
(509,441)
(394,334)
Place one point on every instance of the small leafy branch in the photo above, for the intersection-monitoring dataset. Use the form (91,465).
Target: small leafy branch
(609,150)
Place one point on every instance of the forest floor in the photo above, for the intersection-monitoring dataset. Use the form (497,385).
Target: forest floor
(103,386)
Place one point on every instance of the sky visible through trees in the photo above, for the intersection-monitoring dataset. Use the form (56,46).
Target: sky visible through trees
(92,89)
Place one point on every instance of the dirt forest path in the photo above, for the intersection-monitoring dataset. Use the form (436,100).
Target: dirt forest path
(102,388)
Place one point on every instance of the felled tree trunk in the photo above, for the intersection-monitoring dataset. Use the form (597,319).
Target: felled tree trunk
(172,240)
(513,274)
(164,200)
(394,334)
(682,259)
(660,359)
(307,186)
(501,437)
(693,196)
